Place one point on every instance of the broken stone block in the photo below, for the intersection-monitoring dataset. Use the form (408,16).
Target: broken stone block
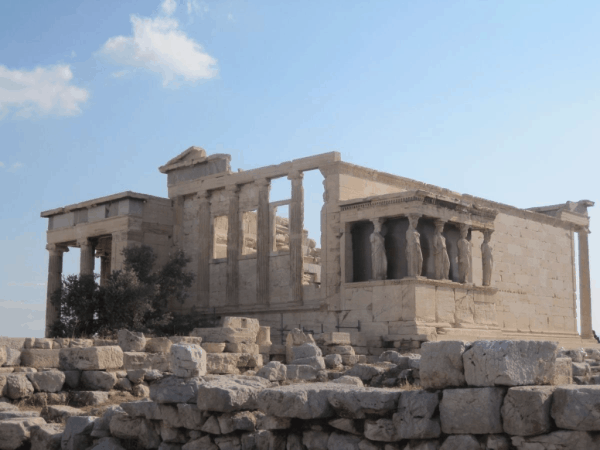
(188,361)
(333,361)
(214,347)
(158,345)
(242,348)
(339,441)
(172,389)
(268,422)
(143,360)
(350,360)
(224,394)
(249,361)
(563,372)
(315,439)
(46,437)
(339,350)
(461,442)
(110,443)
(13,357)
(346,425)
(72,378)
(186,340)
(60,413)
(204,443)
(346,379)
(575,407)
(227,335)
(442,364)
(526,410)
(96,380)
(318,362)
(89,398)
(141,390)
(40,358)
(3,355)
(102,426)
(241,322)
(143,408)
(211,426)
(472,411)
(18,386)
(80,343)
(365,372)
(131,341)
(136,376)
(123,426)
(273,371)
(77,433)
(16,432)
(301,372)
(90,358)
(510,363)
(191,416)
(359,403)
(381,430)
(47,381)
(264,336)
(295,338)
(415,417)
(270,440)
(306,351)
(558,440)
(334,338)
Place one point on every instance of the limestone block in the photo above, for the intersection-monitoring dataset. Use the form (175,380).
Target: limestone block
(461,442)
(188,360)
(214,347)
(526,410)
(18,414)
(442,364)
(347,425)
(144,408)
(365,372)
(268,440)
(88,398)
(266,422)
(60,413)
(186,340)
(18,386)
(305,351)
(317,362)
(3,355)
(334,338)
(203,443)
(110,443)
(80,343)
(225,394)
(13,357)
(222,363)
(315,439)
(227,335)
(563,372)
(277,350)
(241,322)
(264,336)
(143,360)
(558,440)
(211,426)
(581,369)
(102,426)
(338,350)
(191,417)
(415,417)
(381,430)
(359,403)
(90,358)
(273,371)
(172,389)
(97,380)
(141,390)
(303,401)
(295,338)
(77,433)
(46,437)
(333,361)
(40,358)
(497,442)
(123,426)
(575,407)
(158,345)
(248,360)
(131,341)
(346,379)
(16,432)
(510,363)
(242,348)
(339,441)
(47,381)
(28,342)
(350,360)
(471,411)
(301,372)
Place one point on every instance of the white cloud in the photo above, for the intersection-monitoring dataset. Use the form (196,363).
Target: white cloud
(1,164)
(43,91)
(158,45)
(119,74)
(168,7)
(15,166)
(194,6)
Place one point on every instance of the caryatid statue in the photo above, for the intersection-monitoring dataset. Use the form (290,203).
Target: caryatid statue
(378,257)
(414,256)
(440,253)
(487,259)
(464,255)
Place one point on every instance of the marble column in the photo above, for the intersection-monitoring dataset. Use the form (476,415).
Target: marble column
(55,266)
(465,273)
(414,255)
(440,252)
(378,256)
(585,296)
(487,258)
(205,241)
(86,258)
(233,245)
(296,231)
(104,268)
(273,221)
(263,242)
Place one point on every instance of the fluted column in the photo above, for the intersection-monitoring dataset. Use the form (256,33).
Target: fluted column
(585,295)
(205,241)
(104,268)
(86,258)
(233,245)
(263,242)
(55,266)
(296,229)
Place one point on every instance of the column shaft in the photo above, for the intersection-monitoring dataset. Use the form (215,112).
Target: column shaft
(233,245)
(296,231)
(585,295)
(86,259)
(104,268)
(205,239)
(263,244)
(55,265)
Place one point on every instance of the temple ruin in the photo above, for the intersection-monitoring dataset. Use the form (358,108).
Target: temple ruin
(401,262)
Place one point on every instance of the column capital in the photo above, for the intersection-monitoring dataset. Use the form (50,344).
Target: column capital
(295,175)
(62,248)
(83,241)
(263,183)
(232,189)
(204,195)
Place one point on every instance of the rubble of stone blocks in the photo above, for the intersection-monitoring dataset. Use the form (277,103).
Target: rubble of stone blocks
(485,395)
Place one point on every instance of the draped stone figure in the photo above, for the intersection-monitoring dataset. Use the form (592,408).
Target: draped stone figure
(487,259)
(414,256)
(378,256)
(464,256)
(440,253)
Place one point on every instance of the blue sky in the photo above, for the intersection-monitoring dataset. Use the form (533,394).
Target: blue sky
(494,99)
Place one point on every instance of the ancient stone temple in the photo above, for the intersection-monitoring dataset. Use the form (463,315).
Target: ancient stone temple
(401,262)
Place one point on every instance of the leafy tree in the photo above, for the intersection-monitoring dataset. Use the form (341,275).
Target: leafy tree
(136,298)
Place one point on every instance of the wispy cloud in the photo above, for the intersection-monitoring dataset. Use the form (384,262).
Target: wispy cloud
(158,45)
(1,164)
(42,91)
